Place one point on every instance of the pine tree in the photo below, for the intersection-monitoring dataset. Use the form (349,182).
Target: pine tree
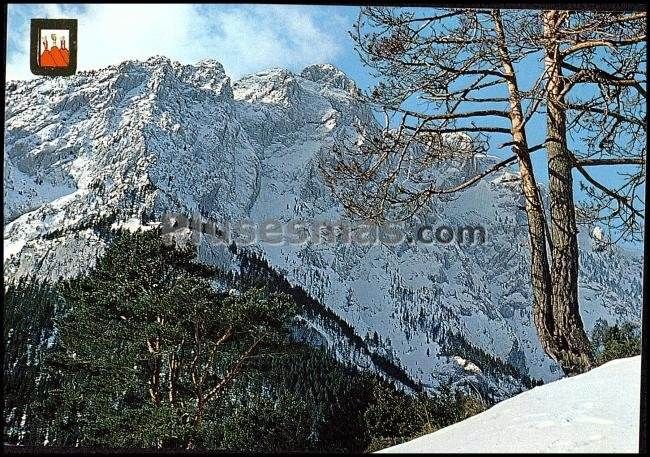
(615,341)
(148,348)
(266,424)
(29,335)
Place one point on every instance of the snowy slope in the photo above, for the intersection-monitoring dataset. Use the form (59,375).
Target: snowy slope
(125,144)
(594,412)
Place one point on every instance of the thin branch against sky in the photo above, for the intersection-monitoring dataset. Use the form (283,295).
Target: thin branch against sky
(247,39)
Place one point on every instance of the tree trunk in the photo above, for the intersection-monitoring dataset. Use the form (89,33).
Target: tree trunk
(573,350)
(540,273)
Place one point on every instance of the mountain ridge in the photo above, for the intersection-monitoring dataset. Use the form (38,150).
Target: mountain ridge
(130,142)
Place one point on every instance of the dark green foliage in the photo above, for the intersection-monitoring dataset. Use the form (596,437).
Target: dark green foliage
(390,419)
(393,418)
(266,424)
(450,406)
(148,348)
(615,341)
(336,396)
(29,336)
(142,352)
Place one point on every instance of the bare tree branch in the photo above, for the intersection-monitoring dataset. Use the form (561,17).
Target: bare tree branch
(610,161)
(619,198)
(613,44)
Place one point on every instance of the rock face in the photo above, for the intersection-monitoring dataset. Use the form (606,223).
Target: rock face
(125,144)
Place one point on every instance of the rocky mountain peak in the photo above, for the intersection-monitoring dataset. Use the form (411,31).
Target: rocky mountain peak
(329,76)
(122,145)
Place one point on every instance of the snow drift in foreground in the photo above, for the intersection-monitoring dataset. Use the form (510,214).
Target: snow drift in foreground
(594,412)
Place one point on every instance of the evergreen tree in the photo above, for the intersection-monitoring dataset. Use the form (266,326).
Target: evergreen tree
(266,424)
(142,352)
(390,418)
(394,417)
(615,341)
(29,335)
(148,348)
(337,396)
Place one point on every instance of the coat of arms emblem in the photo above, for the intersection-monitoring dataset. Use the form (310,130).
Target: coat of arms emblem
(53,47)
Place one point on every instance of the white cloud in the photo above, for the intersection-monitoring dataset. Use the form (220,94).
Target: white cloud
(243,38)
(18,32)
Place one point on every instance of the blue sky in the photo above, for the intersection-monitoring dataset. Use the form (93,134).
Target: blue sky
(244,38)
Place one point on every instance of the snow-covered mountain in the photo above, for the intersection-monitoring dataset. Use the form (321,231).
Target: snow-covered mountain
(125,144)
(595,412)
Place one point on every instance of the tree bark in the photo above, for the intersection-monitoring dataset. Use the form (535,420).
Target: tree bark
(540,272)
(572,348)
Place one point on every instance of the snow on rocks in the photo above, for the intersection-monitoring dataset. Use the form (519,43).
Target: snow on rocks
(130,142)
